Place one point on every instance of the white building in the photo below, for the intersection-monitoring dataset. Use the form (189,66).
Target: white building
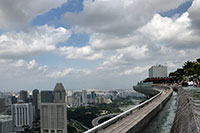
(54,114)
(6,124)
(76,101)
(22,114)
(158,71)
(69,101)
(84,97)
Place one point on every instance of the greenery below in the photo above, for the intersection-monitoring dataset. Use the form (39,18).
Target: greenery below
(104,119)
(191,70)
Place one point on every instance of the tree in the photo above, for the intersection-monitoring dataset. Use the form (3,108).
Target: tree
(187,65)
(196,68)
(189,69)
(198,60)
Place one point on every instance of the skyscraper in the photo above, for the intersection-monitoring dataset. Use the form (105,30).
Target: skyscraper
(23,95)
(2,105)
(46,96)
(59,93)
(158,71)
(22,114)
(5,124)
(13,100)
(92,97)
(93,94)
(36,112)
(84,97)
(54,114)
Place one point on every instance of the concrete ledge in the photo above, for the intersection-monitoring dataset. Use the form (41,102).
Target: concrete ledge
(187,118)
(139,126)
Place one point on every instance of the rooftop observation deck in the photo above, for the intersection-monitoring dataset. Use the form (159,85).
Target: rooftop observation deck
(133,120)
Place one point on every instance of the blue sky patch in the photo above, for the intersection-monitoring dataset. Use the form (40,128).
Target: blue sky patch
(76,40)
(54,15)
(180,10)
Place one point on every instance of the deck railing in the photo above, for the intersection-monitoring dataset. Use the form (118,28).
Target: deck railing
(120,116)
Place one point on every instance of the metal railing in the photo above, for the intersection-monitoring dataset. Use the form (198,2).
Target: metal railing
(120,116)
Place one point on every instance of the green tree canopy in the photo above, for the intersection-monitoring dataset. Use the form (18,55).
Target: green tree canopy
(189,69)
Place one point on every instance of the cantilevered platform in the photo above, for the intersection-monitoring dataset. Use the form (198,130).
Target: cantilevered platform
(137,119)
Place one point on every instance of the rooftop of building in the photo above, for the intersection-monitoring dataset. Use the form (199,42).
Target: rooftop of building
(5,118)
(59,87)
(159,65)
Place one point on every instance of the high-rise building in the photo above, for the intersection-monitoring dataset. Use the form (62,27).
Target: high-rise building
(22,114)
(53,114)
(46,96)
(59,93)
(158,71)
(2,105)
(93,94)
(13,100)
(23,95)
(113,94)
(6,124)
(69,101)
(92,97)
(36,112)
(84,97)
(101,100)
(76,101)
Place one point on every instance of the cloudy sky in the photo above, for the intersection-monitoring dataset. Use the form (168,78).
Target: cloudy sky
(102,44)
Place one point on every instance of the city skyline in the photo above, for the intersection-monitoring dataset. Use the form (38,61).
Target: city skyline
(93,43)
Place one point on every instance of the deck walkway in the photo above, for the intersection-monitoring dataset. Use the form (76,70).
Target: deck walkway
(135,121)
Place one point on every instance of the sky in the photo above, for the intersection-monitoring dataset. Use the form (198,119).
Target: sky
(93,44)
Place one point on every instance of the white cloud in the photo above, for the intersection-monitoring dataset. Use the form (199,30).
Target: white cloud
(20,68)
(176,33)
(163,40)
(127,38)
(32,64)
(121,18)
(19,13)
(57,74)
(123,24)
(85,52)
(125,58)
(136,45)
(110,42)
(30,74)
(20,64)
(113,63)
(163,28)
(68,72)
(31,42)
(133,52)
(135,70)
(194,15)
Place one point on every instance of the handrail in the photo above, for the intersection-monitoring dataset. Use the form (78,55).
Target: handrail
(120,116)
